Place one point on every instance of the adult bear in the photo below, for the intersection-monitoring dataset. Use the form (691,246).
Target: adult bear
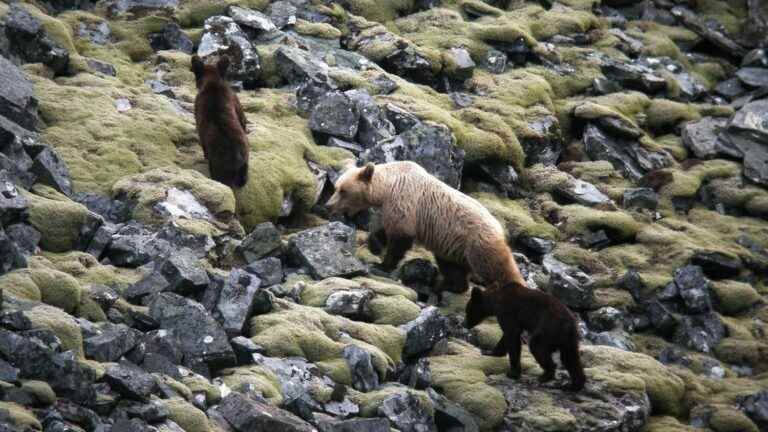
(416,206)
(221,123)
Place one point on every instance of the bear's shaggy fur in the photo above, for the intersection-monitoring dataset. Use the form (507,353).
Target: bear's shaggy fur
(415,206)
(221,124)
(551,326)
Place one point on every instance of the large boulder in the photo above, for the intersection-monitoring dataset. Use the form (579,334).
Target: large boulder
(747,131)
(17,98)
(247,415)
(626,155)
(327,251)
(223,36)
(30,43)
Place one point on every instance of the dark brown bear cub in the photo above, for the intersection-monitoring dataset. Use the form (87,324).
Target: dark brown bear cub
(220,124)
(551,326)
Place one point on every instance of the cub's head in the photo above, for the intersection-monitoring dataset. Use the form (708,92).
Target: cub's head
(353,190)
(205,73)
(477,308)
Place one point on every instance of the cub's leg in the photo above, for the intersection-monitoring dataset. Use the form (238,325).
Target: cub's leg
(511,340)
(542,352)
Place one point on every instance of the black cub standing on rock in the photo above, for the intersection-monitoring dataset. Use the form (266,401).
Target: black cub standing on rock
(552,327)
(221,124)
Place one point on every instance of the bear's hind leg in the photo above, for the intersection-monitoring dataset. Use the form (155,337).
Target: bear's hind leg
(570,357)
(396,249)
(542,352)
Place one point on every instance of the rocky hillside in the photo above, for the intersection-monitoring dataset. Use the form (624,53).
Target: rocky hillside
(622,143)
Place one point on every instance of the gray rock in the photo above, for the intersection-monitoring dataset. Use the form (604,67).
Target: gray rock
(245,349)
(730,88)
(627,156)
(14,159)
(101,67)
(14,207)
(199,335)
(356,425)
(246,415)
(424,332)
(503,176)
(17,100)
(109,342)
(11,256)
(572,286)
(335,114)
(694,288)
(546,146)
(702,138)
(327,251)
(717,265)
(416,375)
(460,65)
(430,145)
(262,242)
(401,119)
(616,339)
(141,6)
(268,270)
(8,373)
(309,92)
(410,64)
(694,23)
(96,33)
(384,85)
(355,149)
(374,126)
(450,416)
(110,209)
(236,301)
(755,406)
(297,66)
(282,13)
(130,381)
(364,375)
(700,332)
(605,319)
(350,303)
(153,283)
(748,132)
(644,198)
(251,19)
(581,192)
(30,42)
(495,61)
(420,275)
(222,35)
(171,38)
(633,76)
(50,170)
(184,273)
(407,413)
(753,76)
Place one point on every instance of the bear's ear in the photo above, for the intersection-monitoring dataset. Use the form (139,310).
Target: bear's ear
(197,66)
(367,173)
(348,164)
(223,66)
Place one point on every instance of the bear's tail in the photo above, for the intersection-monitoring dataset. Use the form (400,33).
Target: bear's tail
(571,359)
(241,176)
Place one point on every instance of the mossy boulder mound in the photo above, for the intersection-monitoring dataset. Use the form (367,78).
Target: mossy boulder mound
(59,220)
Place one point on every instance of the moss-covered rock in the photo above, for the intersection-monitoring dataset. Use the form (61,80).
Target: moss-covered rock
(734,297)
(187,416)
(257,378)
(19,416)
(60,323)
(58,219)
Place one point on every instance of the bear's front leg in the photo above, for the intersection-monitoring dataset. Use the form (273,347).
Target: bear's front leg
(377,240)
(500,350)
(396,249)
(512,340)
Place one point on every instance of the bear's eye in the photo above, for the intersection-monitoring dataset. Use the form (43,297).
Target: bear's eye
(342,192)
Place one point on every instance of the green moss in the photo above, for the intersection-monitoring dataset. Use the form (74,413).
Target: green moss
(58,219)
(725,418)
(667,424)
(133,36)
(734,297)
(40,391)
(319,30)
(87,269)
(371,401)
(19,284)
(730,14)
(579,219)
(562,21)
(393,310)
(686,184)
(295,330)
(57,288)
(380,10)
(627,105)
(193,13)
(744,352)
(257,378)
(19,416)
(198,384)
(516,217)
(623,369)
(663,114)
(149,188)
(187,416)
(60,323)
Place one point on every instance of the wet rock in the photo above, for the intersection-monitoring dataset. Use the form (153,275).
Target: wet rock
(30,42)
(14,207)
(184,273)
(101,67)
(581,192)
(245,349)
(130,381)
(502,176)
(694,288)
(616,339)
(309,92)
(50,170)
(424,332)
(350,303)
(416,375)
(535,247)
(335,114)
(346,145)
(374,126)
(384,85)
(717,265)
(407,413)
(458,64)
(700,332)
(96,33)
(633,76)
(730,89)
(171,38)
(152,283)
(690,20)
(748,132)
(222,35)
(364,375)
(605,319)
(327,251)
(450,416)
(8,373)
(268,270)
(36,361)
(11,256)
(263,241)
(420,275)
(572,286)
(495,61)
(702,138)
(753,76)
(108,342)
(251,19)
(199,335)
(408,63)
(356,425)
(246,415)
(547,145)
(755,406)
(297,66)
(236,301)
(518,52)
(14,156)
(111,210)
(627,156)
(430,145)
(644,198)
(141,6)
(17,100)
(282,13)
(402,120)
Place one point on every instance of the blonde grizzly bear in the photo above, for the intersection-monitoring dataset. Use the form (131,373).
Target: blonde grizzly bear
(416,206)
(220,124)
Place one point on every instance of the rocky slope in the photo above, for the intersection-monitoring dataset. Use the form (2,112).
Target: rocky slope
(622,143)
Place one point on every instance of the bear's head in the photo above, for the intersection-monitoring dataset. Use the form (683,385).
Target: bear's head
(205,73)
(353,190)
(478,308)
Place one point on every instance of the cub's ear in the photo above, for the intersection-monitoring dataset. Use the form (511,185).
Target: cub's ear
(367,173)
(223,66)
(197,66)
